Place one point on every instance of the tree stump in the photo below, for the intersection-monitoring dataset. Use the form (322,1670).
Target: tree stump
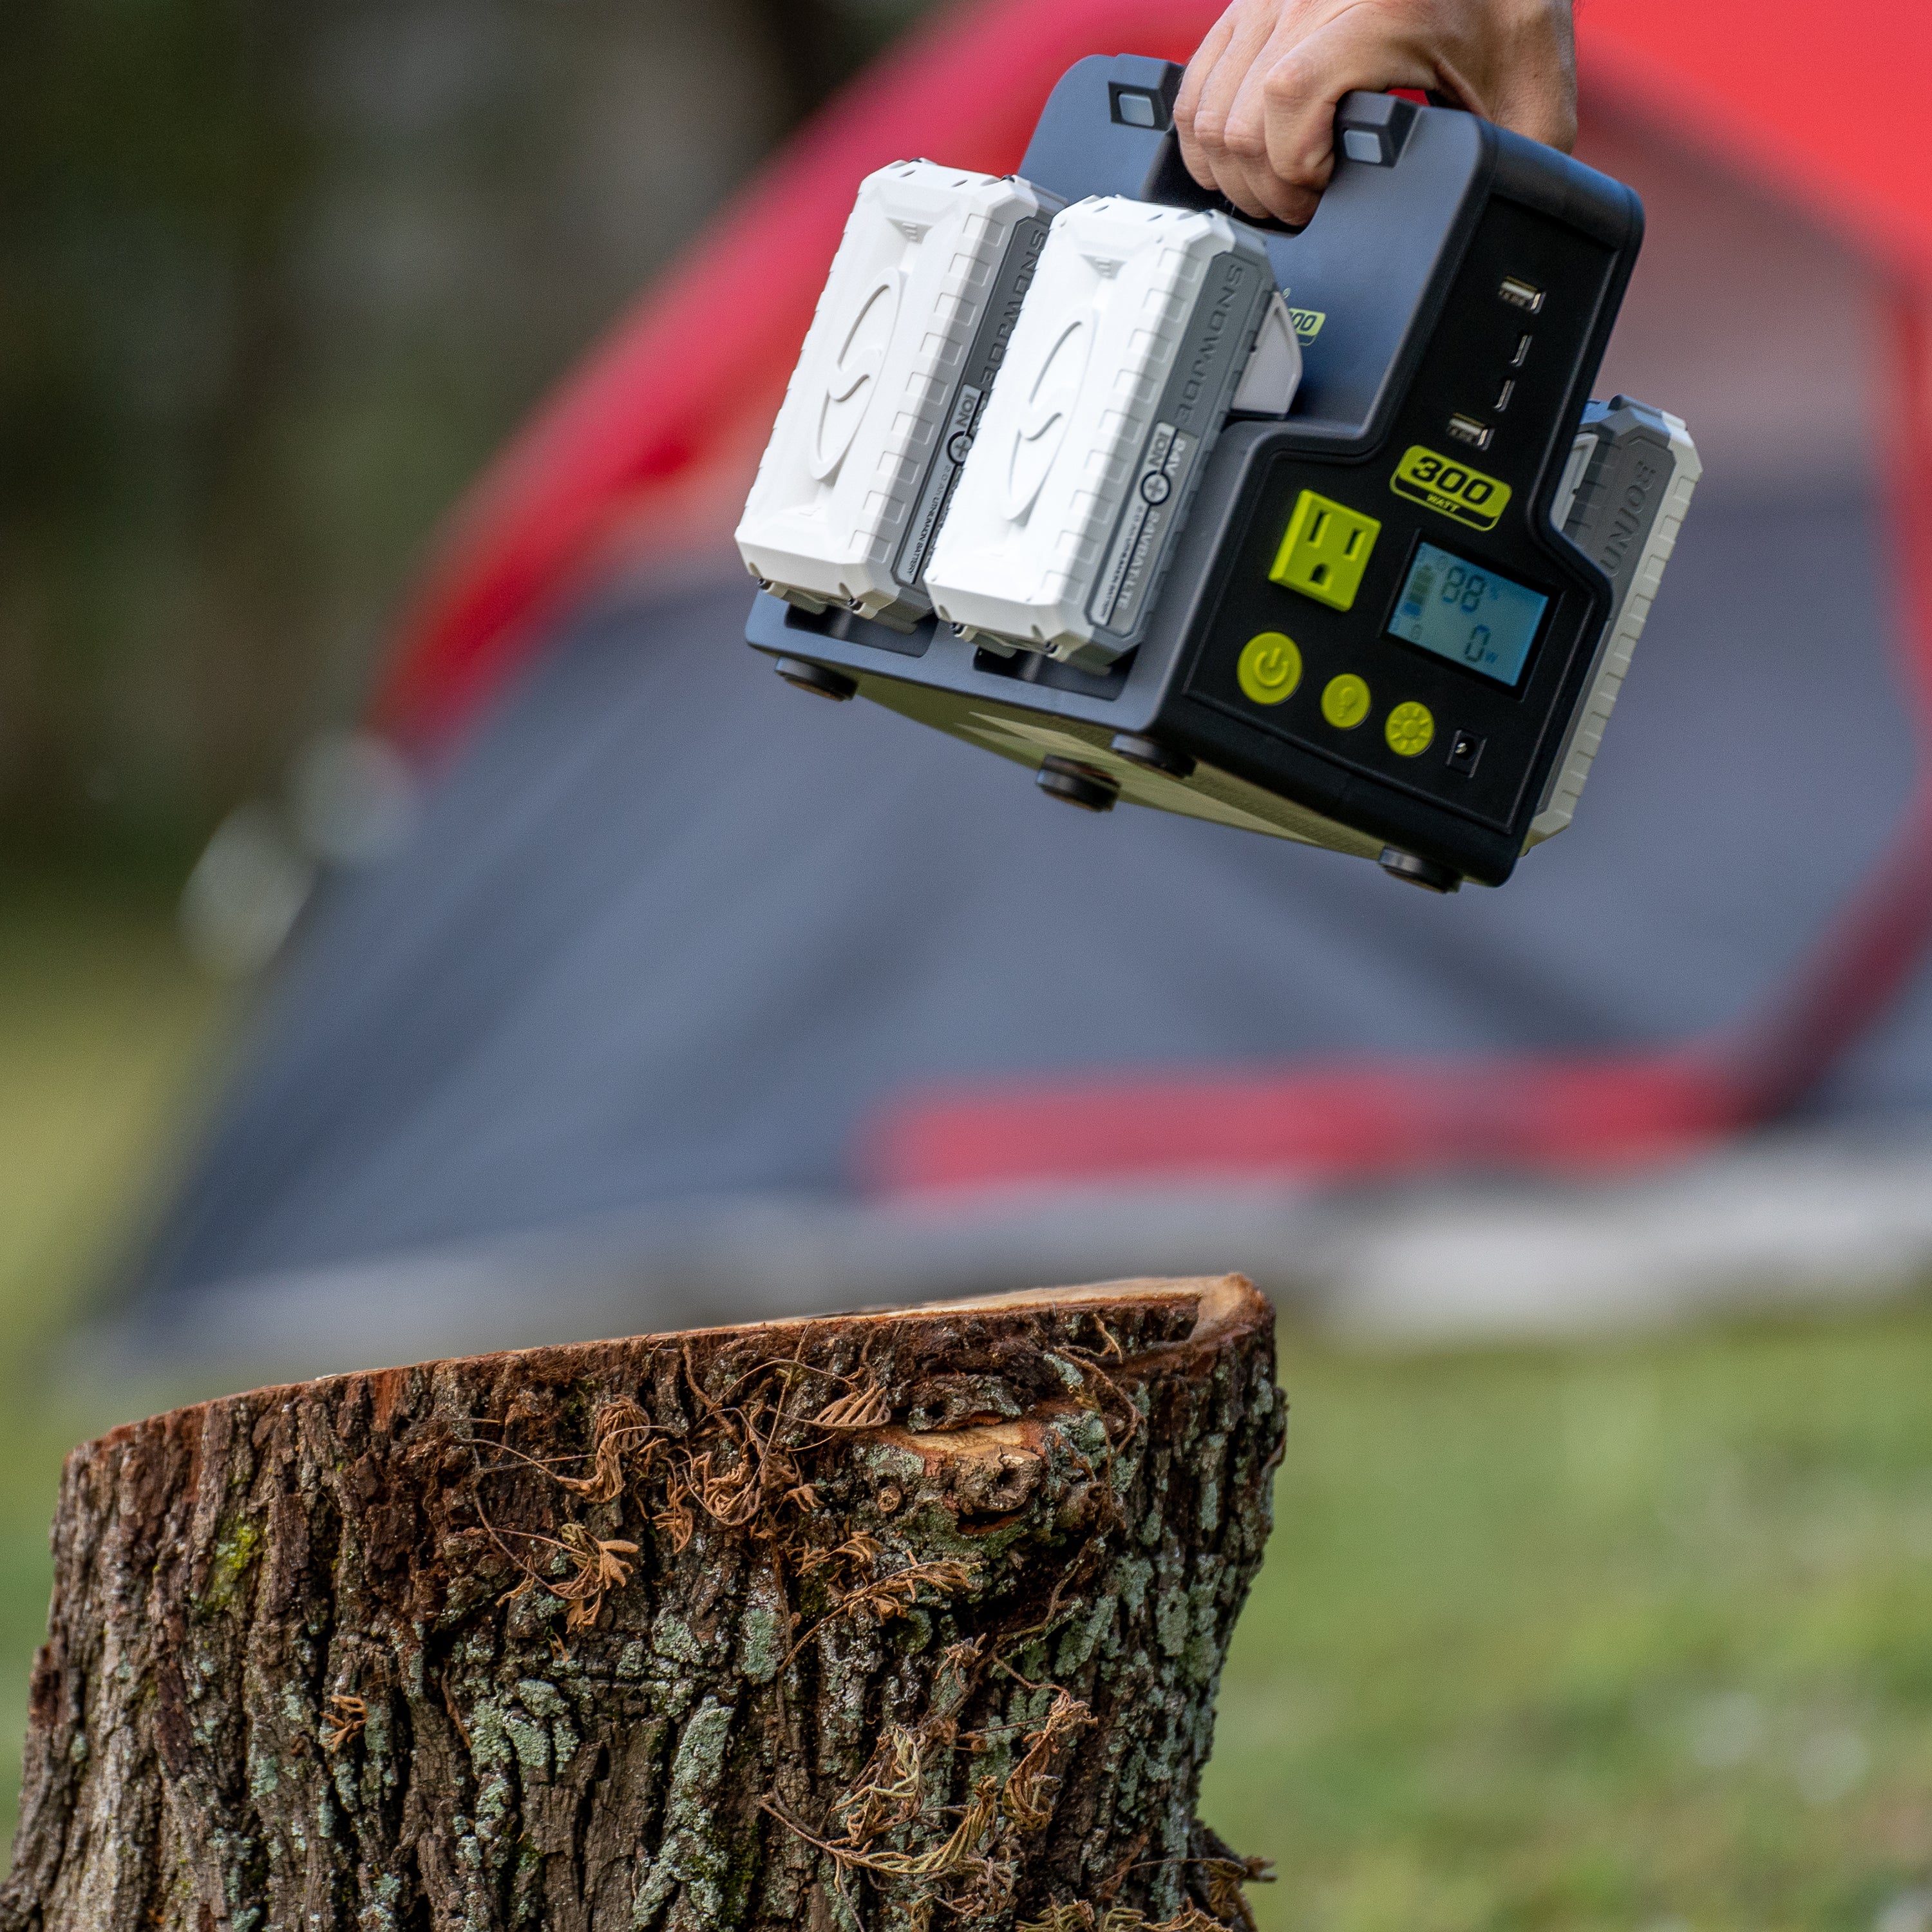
(880,1620)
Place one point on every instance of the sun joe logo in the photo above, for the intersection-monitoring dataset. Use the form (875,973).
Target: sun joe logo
(1451,487)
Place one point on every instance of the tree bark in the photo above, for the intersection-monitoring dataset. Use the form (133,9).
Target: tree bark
(876,1620)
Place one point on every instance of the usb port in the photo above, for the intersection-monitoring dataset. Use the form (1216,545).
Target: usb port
(1503,396)
(1466,429)
(1522,355)
(1520,294)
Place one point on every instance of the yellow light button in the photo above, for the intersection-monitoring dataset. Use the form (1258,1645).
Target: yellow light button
(1269,668)
(1410,728)
(1345,704)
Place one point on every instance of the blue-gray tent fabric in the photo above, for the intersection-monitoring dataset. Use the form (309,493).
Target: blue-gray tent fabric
(669,930)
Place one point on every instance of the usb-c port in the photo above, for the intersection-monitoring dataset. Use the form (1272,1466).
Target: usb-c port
(1503,396)
(1522,355)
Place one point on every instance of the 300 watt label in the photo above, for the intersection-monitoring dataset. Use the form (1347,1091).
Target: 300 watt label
(1452,488)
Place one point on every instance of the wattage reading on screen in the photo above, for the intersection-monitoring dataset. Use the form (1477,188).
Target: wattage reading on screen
(1470,616)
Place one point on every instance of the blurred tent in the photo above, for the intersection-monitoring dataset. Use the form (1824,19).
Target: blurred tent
(686,997)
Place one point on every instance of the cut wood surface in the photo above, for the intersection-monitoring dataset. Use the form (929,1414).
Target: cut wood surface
(904,1619)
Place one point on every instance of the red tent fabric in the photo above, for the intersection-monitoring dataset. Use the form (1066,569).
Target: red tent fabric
(648,448)
(1821,103)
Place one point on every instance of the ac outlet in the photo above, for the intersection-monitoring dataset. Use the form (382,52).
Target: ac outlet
(1325,550)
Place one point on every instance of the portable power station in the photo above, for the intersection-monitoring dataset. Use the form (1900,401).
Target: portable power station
(1313,533)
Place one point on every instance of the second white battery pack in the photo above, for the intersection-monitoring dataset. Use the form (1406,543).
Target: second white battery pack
(1142,324)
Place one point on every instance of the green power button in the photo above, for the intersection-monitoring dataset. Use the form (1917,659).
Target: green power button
(1269,667)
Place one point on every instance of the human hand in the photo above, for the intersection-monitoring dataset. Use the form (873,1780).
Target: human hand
(1256,110)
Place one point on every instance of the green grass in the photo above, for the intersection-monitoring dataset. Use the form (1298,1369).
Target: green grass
(1638,1638)
(102,1025)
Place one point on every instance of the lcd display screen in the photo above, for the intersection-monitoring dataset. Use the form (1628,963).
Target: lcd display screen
(1469,615)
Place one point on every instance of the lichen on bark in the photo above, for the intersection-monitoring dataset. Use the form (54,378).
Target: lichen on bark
(873,1621)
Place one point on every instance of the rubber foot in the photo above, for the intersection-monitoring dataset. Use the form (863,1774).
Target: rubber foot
(1415,871)
(1078,784)
(803,675)
(1153,754)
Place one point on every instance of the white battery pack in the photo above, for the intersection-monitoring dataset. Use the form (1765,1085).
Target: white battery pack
(1140,325)
(1622,500)
(924,294)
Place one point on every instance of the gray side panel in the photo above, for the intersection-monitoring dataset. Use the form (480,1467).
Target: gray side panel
(981,365)
(1622,490)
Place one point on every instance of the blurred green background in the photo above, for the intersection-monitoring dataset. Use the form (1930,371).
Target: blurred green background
(275,282)
(1635,1638)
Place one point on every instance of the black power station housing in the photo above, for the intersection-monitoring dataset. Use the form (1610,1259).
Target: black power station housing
(1452,294)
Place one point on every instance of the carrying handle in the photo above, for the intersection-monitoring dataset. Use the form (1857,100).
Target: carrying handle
(1370,130)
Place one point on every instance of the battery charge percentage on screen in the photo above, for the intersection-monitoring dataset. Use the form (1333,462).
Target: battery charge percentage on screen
(1475,617)
(1464,588)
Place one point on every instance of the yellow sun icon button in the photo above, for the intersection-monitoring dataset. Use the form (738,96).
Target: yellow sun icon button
(1344,702)
(1410,729)
(1269,668)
